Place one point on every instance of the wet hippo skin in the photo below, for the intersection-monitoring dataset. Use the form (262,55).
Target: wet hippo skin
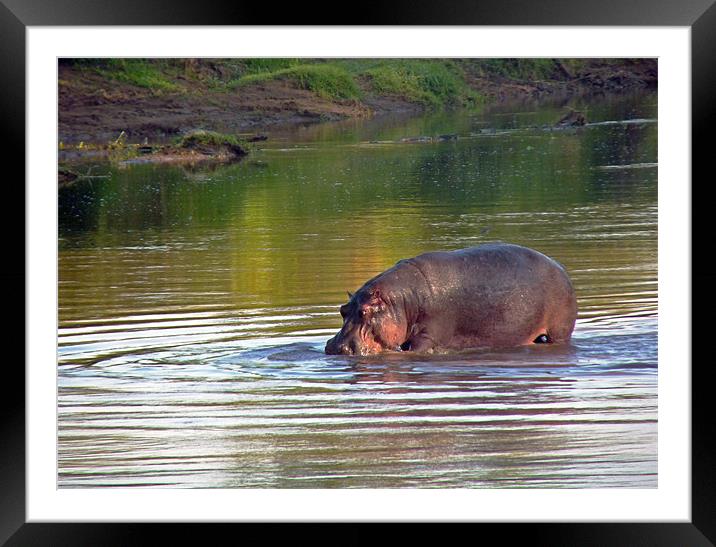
(489,296)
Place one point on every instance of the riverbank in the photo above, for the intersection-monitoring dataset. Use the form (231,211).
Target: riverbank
(157,100)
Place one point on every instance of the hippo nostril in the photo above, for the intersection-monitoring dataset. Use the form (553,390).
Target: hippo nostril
(354,348)
(348,349)
(338,348)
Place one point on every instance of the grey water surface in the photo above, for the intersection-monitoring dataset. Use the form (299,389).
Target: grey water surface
(194,305)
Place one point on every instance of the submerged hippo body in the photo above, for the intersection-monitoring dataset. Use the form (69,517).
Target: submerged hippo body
(494,295)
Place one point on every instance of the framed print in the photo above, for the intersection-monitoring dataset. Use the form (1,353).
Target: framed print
(191,355)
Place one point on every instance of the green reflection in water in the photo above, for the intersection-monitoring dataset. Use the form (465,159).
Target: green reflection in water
(302,223)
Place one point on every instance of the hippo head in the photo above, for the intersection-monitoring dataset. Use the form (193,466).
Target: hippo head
(371,324)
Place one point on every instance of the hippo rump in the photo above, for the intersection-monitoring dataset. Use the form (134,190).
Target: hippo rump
(489,296)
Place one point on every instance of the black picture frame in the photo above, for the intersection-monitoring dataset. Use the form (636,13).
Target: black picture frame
(699,15)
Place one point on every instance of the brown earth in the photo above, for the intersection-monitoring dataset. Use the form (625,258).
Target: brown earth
(93,109)
(90,111)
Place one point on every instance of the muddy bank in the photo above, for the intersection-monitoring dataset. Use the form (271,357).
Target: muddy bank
(594,78)
(96,109)
(90,112)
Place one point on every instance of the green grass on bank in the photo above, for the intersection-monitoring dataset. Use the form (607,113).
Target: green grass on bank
(155,74)
(518,69)
(433,82)
(328,80)
(202,137)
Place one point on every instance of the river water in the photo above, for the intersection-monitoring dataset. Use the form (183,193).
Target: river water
(194,305)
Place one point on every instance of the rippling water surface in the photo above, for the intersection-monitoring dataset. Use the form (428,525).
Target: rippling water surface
(195,304)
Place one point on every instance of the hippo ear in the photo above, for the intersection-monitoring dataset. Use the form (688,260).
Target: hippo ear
(350,295)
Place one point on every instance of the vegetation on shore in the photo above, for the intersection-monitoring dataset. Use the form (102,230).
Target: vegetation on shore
(163,98)
(155,74)
(329,81)
(431,82)
(211,140)
(195,146)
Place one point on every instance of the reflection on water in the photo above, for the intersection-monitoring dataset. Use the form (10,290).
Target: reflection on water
(195,304)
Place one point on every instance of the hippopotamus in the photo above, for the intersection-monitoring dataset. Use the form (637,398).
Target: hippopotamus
(496,295)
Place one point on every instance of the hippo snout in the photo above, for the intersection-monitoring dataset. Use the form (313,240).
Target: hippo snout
(336,347)
(332,347)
